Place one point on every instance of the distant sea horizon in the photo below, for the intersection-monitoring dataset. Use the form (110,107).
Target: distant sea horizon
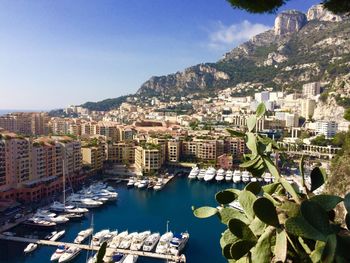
(6,111)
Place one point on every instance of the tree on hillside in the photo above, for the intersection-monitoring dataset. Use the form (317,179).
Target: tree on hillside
(347,115)
(271,6)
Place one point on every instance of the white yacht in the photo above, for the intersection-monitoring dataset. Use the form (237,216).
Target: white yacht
(118,257)
(138,240)
(30,248)
(59,207)
(143,184)
(126,242)
(39,222)
(69,254)
(220,175)
(229,176)
(201,174)
(253,179)
(178,243)
(117,239)
(57,236)
(130,259)
(159,185)
(267,178)
(246,177)
(151,242)
(50,217)
(131,182)
(99,237)
(164,243)
(58,253)
(82,235)
(194,172)
(209,174)
(236,176)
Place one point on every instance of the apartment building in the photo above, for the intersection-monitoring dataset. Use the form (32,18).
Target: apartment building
(311,89)
(326,128)
(308,107)
(94,156)
(148,158)
(121,152)
(235,147)
(2,163)
(173,150)
(27,123)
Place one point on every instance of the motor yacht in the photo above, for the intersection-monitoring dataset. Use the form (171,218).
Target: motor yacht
(51,218)
(130,259)
(138,240)
(57,235)
(30,248)
(164,243)
(143,184)
(229,176)
(58,253)
(253,179)
(118,257)
(118,239)
(69,254)
(209,174)
(99,237)
(73,216)
(178,243)
(82,235)
(201,174)
(220,175)
(246,177)
(126,242)
(59,207)
(151,242)
(38,222)
(131,182)
(237,176)
(194,172)
(159,185)
(267,178)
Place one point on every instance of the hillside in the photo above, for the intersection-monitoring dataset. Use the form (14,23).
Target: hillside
(300,48)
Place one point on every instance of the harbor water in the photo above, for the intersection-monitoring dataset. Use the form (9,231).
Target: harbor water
(140,210)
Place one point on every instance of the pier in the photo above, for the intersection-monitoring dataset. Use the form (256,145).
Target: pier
(109,251)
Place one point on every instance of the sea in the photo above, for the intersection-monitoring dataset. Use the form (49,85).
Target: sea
(141,210)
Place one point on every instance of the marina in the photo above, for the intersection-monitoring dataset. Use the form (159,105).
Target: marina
(156,209)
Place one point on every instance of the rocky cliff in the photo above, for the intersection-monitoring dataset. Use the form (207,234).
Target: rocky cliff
(300,48)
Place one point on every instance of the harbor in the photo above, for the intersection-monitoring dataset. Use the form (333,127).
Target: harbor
(137,210)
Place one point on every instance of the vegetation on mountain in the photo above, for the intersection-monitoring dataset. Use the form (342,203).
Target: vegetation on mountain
(278,224)
(105,105)
(271,6)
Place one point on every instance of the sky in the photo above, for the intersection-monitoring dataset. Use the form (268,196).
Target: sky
(57,53)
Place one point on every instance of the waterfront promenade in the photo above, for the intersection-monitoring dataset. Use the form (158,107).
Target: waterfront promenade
(109,251)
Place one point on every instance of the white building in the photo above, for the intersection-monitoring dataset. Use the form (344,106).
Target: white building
(327,128)
(262,96)
(311,89)
(292,119)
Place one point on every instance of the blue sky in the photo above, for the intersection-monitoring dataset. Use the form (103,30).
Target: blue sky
(56,53)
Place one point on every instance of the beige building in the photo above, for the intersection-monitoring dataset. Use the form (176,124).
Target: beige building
(311,89)
(173,150)
(94,156)
(148,158)
(26,123)
(307,108)
(121,152)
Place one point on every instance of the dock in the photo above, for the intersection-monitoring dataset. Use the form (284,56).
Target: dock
(109,251)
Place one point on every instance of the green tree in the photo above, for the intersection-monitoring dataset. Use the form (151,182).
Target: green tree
(278,224)
(271,6)
(347,114)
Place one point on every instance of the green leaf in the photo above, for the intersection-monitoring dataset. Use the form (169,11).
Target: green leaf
(250,163)
(241,247)
(257,226)
(246,200)
(318,178)
(289,188)
(251,123)
(225,197)
(280,250)
(227,213)
(271,166)
(327,202)
(227,238)
(329,250)
(251,143)
(301,169)
(317,253)
(253,187)
(260,111)
(316,216)
(226,251)
(262,251)
(290,208)
(298,226)
(241,230)
(234,133)
(205,211)
(266,211)
(270,188)
(101,253)
(347,202)
(304,245)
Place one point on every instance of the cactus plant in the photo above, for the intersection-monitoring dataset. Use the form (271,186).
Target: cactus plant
(279,224)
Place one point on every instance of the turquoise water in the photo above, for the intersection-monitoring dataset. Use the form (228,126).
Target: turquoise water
(140,210)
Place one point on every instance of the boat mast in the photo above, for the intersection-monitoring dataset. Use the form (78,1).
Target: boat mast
(64,174)
(167,226)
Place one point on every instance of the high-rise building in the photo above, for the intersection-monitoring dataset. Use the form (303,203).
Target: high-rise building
(327,128)
(174,150)
(311,89)
(148,158)
(307,108)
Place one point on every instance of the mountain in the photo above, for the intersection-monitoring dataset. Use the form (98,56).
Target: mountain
(299,48)
(105,105)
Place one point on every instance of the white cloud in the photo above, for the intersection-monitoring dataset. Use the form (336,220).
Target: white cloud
(224,37)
